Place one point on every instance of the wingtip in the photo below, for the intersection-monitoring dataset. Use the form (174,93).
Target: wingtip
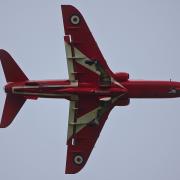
(75,160)
(73,170)
(65,7)
(2,52)
(2,125)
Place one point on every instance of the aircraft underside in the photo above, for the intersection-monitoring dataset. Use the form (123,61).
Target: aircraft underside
(92,89)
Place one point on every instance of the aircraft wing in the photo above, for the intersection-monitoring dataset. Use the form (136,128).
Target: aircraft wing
(86,121)
(84,59)
(87,114)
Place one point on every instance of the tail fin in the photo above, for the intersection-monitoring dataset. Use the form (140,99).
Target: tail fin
(11,107)
(12,71)
(13,103)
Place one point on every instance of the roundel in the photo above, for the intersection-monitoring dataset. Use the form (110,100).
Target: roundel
(78,159)
(75,19)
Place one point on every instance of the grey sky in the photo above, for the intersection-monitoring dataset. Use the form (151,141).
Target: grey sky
(138,142)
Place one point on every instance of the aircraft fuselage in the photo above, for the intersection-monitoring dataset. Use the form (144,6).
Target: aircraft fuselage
(66,89)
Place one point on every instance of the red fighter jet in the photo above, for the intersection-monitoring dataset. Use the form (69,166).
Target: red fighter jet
(92,89)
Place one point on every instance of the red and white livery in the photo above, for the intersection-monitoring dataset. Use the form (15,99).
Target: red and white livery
(92,89)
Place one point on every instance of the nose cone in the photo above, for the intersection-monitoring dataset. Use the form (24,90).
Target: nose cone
(178,91)
(175,90)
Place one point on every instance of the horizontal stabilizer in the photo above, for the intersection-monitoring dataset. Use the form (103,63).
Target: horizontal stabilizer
(11,107)
(12,71)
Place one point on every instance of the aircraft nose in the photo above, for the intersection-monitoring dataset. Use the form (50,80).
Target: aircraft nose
(178,91)
(175,89)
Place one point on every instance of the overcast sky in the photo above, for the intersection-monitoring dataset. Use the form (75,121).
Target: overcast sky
(140,141)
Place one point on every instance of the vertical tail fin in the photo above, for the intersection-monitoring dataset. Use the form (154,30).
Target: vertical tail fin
(12,71)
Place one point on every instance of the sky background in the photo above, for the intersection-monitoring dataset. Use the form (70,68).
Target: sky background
(140,141)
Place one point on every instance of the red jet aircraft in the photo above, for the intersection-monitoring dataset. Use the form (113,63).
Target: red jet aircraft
(92,89)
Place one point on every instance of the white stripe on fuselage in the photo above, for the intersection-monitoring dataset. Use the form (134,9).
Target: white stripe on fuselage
(43,94)
(72,84)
